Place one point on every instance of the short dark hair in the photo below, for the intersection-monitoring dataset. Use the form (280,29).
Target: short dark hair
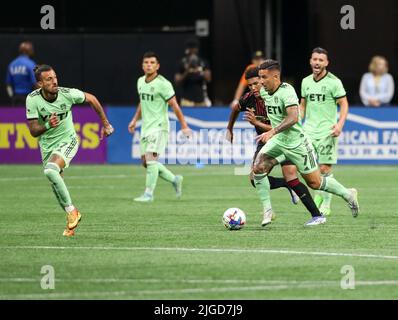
(39,69)
(320,51)
(151,54)
(251,73)
(270,64)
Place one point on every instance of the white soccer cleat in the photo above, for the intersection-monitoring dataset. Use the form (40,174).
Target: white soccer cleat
(353,203)
(146,197)
(177,184)
(267,217)
(315,221)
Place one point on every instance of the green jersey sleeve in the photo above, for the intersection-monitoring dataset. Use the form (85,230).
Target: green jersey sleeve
(77,96)
(138,90)
(167,91)
(289,97)
(338,90)
(31,108)
(303,94)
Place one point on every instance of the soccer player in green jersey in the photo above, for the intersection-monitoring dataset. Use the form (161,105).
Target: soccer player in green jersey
(321,92)
(156,93)
(48,110)
(287,138)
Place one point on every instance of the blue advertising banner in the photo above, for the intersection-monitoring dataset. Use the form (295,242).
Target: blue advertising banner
(370,136)
(207,145)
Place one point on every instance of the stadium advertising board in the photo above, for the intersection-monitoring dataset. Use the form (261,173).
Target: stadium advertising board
(370,136)
(18,146)
(206,146)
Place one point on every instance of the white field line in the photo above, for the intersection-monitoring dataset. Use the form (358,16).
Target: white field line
(116,176)
(272,287)
(208,250)
(203,281)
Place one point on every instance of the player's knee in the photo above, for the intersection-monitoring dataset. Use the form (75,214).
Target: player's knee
(259,168)
(151,156)
(51,169)
(325,169)
(314,184)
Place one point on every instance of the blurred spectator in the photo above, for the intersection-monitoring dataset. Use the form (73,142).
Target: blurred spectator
(377,86)
(257,59)
(20,79)
(193,76)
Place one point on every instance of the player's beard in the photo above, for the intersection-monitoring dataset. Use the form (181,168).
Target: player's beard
(52,92)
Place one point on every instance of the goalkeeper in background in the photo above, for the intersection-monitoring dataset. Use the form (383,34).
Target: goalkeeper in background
(156,93)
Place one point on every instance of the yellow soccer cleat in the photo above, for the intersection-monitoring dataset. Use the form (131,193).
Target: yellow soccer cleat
(73,219)
(68,233)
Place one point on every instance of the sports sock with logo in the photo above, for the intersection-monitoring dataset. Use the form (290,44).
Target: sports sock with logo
(305,196)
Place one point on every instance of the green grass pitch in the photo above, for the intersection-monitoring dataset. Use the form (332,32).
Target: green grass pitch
(172,249)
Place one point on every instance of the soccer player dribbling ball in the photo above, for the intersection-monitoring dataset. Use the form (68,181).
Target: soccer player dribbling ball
(259,118)
(288,138)
(49,115)
(156,93)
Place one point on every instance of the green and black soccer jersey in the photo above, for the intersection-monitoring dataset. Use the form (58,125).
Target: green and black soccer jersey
(37,107)
(277,103)
(321,106)
(292,143)
(154,96)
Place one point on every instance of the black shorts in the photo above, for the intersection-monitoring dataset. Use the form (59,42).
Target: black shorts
(283,163)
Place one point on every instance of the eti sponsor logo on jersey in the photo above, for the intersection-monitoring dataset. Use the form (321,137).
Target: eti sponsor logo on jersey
(146,97)
(317,97)
(274,109)
(61,116)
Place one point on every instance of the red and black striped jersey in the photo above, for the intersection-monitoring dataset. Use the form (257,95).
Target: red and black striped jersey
(250,101)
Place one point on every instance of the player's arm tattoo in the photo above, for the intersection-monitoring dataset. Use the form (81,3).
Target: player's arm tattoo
(35,128)
(291,119)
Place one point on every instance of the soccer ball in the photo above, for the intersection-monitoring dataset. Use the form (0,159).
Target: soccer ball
(234,219)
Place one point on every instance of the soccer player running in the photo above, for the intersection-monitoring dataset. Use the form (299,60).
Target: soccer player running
(287,138)
(321,92)
(255,112)
(49,115)
(156,93)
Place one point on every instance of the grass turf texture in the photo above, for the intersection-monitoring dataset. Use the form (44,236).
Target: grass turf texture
(128,250)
